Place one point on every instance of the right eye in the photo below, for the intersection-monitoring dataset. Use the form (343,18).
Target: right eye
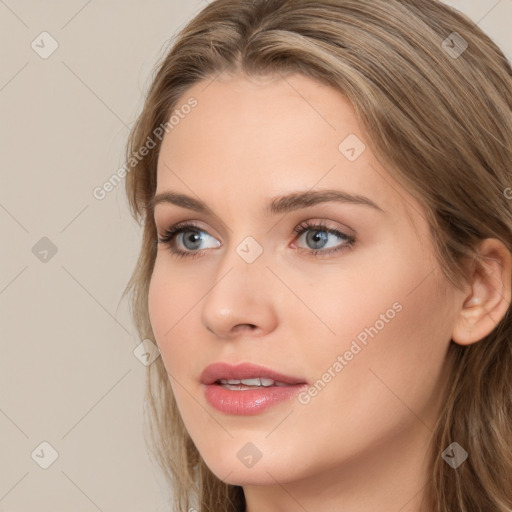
(189,237)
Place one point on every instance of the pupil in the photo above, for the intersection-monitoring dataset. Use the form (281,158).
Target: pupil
(194,239)
(317,238)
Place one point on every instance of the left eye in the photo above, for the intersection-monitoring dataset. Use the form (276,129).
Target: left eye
(323,239)
(319,239)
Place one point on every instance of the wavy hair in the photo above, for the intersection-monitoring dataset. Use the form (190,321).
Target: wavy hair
(439,115)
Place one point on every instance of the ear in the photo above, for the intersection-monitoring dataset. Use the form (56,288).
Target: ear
(489,294)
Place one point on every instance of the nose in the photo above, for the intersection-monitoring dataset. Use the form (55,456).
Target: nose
(241,299)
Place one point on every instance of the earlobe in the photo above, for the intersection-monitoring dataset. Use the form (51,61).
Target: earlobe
(490,293)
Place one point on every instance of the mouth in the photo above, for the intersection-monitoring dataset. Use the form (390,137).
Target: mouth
(247,389)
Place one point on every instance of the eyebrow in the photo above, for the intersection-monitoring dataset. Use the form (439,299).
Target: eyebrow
(277,205)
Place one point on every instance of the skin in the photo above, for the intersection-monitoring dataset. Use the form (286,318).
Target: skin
(362,441)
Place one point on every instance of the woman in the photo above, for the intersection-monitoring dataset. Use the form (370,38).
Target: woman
(326,260)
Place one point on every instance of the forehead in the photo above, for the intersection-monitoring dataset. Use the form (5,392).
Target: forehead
(264,136)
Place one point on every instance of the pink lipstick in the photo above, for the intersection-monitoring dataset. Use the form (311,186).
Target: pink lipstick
(247,389)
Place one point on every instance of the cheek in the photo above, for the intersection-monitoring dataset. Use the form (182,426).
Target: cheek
(170,305)
(389,297)
(386,385)
(391,339)
(175,298)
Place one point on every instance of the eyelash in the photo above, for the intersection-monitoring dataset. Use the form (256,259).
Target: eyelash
(169,236)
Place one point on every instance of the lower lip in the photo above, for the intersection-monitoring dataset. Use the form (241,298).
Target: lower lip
(249,401)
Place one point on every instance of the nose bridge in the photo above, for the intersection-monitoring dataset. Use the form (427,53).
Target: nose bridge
(244,259)
(238,295)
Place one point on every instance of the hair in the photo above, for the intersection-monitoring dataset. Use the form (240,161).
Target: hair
(441,123)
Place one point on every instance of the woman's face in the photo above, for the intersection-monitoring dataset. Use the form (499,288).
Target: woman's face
(344,295)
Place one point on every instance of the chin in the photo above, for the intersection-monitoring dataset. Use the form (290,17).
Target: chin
(247,476)
(239,469)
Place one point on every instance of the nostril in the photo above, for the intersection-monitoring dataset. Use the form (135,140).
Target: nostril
(243,327)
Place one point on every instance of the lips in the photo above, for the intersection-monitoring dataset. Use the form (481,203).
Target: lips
(247,389)
(253,375)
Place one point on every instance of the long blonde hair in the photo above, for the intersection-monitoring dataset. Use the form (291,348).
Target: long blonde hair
(433,95)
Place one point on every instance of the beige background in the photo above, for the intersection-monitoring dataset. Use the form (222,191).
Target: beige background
(68,373)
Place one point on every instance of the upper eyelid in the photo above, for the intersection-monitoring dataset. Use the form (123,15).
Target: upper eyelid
(309,223)
(186,225)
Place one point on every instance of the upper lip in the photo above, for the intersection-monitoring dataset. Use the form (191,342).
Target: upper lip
(218,371)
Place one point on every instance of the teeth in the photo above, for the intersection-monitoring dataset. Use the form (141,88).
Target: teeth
(252,382)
